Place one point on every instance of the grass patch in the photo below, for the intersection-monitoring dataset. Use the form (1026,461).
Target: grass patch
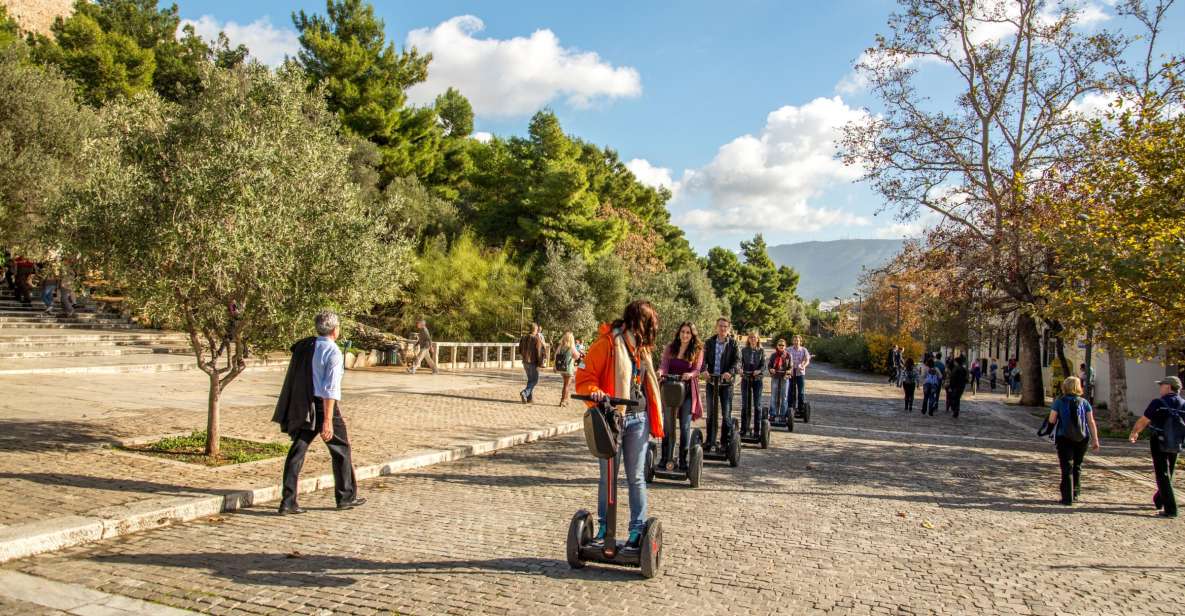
(192,449)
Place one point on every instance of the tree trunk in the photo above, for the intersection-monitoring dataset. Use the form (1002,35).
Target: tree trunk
(213,432)
(1061,358)
(1032,388)
(1117,414)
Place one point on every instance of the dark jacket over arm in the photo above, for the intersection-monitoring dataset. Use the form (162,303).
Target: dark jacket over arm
(294,409)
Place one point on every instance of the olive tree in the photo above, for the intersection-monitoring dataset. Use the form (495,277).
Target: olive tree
(232,215)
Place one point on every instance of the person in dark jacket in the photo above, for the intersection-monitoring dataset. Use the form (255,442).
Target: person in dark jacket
(1163,462)
(1068,409)
(959,377)
(530,349)
(752,367)
(314,380)
(721,359)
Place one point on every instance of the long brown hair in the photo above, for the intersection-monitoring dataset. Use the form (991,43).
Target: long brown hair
(641,319)
(693,347)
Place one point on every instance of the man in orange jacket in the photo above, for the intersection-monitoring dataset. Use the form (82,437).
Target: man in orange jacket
(619,365)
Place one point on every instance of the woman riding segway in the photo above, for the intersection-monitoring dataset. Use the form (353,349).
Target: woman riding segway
(779,366)
(619,365)
(800,358)
(752,369)
(683,358)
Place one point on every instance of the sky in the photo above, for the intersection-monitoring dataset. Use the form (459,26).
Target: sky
(735,106)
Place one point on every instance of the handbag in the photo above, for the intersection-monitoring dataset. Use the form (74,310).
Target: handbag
(602,430)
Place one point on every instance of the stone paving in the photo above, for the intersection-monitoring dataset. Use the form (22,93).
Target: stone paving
(63,463)
(854,513)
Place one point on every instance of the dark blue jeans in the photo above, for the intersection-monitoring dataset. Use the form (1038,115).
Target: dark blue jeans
(797,392)
(751,404)
(532,371)
(668,439)
(777,396)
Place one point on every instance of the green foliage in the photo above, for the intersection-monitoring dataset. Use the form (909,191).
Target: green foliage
(456,164)
(562,299)
(608,282)
(365,80)
(761,294)
(9,31)
(240,194)
(680,295)
(42,127)
(191,449)
(106,65)
(848,351)
(465,291)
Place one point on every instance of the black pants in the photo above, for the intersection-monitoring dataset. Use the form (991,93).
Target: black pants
(1069,458)
(719,407)
(909,389)
(1164,463)
(953,398)
(345,487)
(751,405)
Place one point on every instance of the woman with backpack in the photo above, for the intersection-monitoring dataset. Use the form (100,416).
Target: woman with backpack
(909,382)
(1074,429)
(565,364)
(932,381)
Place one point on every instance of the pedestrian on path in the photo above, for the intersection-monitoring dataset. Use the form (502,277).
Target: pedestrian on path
(565,364)
(619,365)
(530,349)
(800,358)
(1073,420)
(1167,408)
(683,358)
(721,359)
(958,385)
(992,375)
(930,388)
(909,382)
(423,348)
(779,366)
(310,406)
(752,370)
(976,373)
(48,271)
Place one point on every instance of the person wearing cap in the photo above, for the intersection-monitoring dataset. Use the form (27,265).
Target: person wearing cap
(1163,462)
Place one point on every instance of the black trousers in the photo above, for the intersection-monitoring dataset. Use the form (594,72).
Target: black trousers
(345,487)
(751,405)
(953,398)
(1069,458)
(1164,463)
(909,389)
(719,407)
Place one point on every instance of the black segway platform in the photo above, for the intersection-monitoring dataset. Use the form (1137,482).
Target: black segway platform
(673,391)
(730,440)
(803,413)
(582,546)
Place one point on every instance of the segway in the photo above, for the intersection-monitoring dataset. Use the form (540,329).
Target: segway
(761,437)
(729,447)
(689,470)
(780,421)
(582,544)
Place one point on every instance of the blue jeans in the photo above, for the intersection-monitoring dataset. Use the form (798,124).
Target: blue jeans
(532,379)
(751,405)
(797,394)
(777,396)
(635,438)
(47,294)
(929,398)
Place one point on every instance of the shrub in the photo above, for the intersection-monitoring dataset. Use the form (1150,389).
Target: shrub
(847,351)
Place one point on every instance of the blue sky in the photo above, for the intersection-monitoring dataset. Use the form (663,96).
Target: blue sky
(730,103)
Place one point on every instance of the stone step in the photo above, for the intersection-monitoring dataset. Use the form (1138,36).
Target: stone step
(74,320)
(13,315)
(117,365)
(70,343)
(111,351)
(80,326)
(38,337)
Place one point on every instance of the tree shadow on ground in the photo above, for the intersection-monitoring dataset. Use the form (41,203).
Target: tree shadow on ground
(67,480)
(30,436)
(315,570)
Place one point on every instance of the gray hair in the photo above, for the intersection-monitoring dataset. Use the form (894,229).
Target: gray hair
(326,322)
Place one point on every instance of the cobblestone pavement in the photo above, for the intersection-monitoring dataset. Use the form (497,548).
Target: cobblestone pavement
(66,465)
(851,514)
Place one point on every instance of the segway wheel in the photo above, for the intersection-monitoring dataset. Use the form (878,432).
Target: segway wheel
(651,556)
(806,412)
(789,421)
(765,428)
(580,533)
(650,462)
(695,465)
(734,450)
(697,438)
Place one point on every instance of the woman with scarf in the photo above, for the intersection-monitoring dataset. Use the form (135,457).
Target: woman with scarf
(779,365)
(619,365)
(683,358)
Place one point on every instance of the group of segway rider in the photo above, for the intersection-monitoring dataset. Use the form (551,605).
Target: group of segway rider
(626,409)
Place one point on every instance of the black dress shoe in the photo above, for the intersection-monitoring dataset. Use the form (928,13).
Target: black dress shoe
(1165,514)
(350,504)
(290,510)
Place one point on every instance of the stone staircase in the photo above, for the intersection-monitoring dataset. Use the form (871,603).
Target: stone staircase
(33,342)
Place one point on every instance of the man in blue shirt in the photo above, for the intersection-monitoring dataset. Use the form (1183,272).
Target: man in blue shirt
(1163,462)
(327,421)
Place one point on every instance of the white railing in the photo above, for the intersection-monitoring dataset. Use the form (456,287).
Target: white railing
(475,355)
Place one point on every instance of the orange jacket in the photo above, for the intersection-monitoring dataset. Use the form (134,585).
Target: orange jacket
(598,375)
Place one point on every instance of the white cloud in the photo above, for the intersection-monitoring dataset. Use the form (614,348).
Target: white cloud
(482,136)
(267,43)
(768,181)
(515,76)
(653,176)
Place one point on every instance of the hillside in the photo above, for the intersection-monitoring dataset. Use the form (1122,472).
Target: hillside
(831,269)
(37,15)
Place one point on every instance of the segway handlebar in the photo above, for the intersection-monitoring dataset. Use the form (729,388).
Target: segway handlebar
(612,401)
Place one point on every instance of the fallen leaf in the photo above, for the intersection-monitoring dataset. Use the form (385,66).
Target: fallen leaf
(294,554)
(901,514)
(927,524)
(216,519)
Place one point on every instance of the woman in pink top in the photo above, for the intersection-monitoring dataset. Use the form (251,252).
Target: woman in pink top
(683,357)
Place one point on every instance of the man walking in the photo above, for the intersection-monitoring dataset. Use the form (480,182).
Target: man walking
(1159,412)
(530,349)
(423,348)
(720,359)
(310,406)
(958,385)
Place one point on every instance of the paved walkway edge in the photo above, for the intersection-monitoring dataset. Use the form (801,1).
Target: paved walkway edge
(21,540)
(78,599)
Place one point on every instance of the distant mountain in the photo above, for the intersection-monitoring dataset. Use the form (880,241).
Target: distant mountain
(832,269)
